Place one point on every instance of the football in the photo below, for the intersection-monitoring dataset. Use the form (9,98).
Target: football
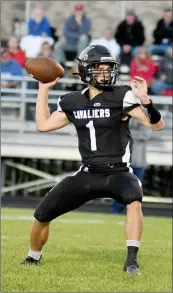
(44,69)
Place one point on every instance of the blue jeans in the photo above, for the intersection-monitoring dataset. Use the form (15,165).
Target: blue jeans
(159,86)
(116,206)
(139,172)
(159,50)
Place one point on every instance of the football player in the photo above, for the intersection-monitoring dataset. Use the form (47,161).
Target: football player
(100,114)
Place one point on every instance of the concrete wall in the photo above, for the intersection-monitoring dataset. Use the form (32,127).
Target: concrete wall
(102,13)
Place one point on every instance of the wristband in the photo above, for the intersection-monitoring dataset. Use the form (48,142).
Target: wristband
(153,113)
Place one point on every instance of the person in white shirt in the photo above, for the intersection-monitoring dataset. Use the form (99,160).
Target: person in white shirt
(109,42)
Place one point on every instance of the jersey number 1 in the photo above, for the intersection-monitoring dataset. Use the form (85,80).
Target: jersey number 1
(92,131)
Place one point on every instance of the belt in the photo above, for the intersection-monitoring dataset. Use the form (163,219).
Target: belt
(110,165)
(93,167)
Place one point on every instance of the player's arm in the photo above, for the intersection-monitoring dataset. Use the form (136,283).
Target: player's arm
(44,121)
(153,120)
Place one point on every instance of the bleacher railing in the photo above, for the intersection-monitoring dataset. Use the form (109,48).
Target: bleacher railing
(21,95)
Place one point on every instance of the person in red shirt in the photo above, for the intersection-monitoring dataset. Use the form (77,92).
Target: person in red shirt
(143,65)
(15,52)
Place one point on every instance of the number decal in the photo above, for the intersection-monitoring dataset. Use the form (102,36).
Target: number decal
(92,131)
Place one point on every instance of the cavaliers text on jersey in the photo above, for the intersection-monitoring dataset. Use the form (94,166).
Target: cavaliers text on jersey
(102,134)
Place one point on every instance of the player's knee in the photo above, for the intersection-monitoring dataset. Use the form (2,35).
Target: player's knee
(41,217)
(39,223)
(134,205)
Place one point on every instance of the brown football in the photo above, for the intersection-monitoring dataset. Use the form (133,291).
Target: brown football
(44,69)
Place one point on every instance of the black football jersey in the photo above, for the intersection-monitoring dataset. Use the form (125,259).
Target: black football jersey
(102,135)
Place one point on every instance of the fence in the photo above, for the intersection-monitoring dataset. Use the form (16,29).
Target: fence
(21,96)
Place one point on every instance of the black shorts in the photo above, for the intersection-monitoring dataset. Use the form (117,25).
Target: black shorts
(90,182)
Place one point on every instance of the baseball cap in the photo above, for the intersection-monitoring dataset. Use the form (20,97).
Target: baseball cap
(79,7)
(130,12)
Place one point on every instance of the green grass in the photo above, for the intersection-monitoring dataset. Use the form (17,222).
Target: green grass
(83,256)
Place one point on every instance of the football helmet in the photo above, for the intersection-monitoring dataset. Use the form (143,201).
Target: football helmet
(88,69)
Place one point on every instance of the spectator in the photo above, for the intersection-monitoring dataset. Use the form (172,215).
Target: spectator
(39,31)
(46,50)
(109,42)
(9,69)
(142,65)
(140,135)
(163,34)
(130,33)
(32,45)
(15,52)
(38,24)
(165,81)
(77,30)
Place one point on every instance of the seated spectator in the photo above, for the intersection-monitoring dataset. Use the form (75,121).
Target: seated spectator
(15,52)
(38,24)
(77,29)
(109,42)
(130,34)
(46,50)
(32,45)
(39,31)
(9,69)
(142,65)
(163,34)
(165,81)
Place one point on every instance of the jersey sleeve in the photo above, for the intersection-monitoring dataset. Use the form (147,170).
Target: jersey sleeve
(130,99)
(60,104)
(64,104)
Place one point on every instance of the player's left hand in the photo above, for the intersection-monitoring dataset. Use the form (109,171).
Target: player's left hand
(140,89)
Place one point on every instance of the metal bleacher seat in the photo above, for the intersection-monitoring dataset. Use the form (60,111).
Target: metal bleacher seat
(124,71)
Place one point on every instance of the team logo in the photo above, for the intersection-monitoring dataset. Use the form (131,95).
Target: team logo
(85,57)
(84,54)
(97,104)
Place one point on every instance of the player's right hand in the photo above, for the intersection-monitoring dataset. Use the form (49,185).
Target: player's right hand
(49,84)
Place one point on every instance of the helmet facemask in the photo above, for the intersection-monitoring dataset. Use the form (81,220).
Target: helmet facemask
(98,78)
(102,78)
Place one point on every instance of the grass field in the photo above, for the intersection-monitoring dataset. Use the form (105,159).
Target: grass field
(85,253)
